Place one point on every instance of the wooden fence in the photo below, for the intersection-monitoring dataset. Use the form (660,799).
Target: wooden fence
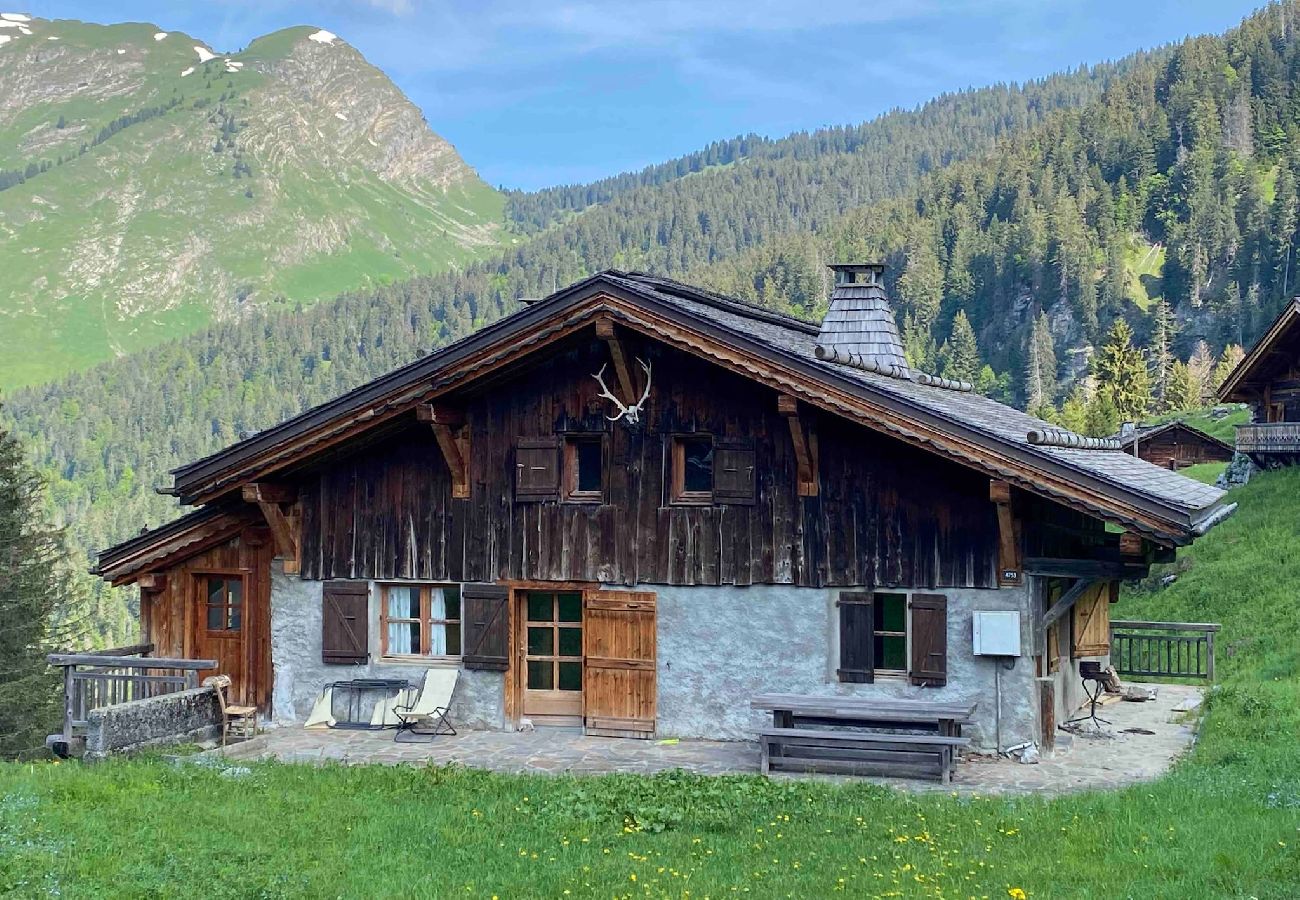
(1163,649)
(119,675)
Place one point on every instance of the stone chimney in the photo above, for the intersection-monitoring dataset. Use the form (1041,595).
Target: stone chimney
(859,328)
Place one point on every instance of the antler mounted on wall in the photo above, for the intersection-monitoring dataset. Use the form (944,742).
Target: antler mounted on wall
(631,414)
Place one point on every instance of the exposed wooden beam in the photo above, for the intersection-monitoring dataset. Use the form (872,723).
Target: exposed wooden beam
(606,331)
(1009,559)
(1062,606)
(152,581)
(269,492)
(272,500)
(448,424)
(440,414)
(1085,568)
(1132,545)
(805,445)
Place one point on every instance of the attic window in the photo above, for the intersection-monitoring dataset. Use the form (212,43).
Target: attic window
(692,469)
(584,470)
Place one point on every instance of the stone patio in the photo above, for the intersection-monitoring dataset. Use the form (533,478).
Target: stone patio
(1117,757)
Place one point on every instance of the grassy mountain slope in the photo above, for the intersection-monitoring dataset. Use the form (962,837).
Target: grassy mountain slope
(150,192)
(1222,823)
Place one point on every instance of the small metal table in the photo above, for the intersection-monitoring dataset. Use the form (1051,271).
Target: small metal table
(349,698)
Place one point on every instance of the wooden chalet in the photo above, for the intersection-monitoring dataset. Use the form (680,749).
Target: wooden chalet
(1268,379)
(635,504)
(1175,445)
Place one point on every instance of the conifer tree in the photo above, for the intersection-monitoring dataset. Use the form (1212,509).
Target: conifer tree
(1162,358)
(1231,358)
(1122,377)
(1074,412)
(1040,365)
(1102,418)
(1200,367)
(961,355)
(1181,391)
(35,591)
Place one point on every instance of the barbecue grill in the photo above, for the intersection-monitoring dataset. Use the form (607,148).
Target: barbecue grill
(1091,673)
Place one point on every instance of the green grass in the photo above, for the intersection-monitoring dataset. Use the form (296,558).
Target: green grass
(1144,264)
(1207,473)
(1225,822)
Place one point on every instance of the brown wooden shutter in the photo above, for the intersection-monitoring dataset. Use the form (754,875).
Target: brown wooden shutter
(619,686)
(733,472)
(537,469)
(345,623)
(857,637)
(929,639)
(485,626)
(1092,621)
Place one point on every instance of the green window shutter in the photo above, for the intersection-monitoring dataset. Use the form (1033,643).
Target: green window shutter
(857,637)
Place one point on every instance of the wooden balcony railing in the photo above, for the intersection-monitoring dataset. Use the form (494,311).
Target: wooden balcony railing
(119,675)
(1163,649)
(1268,437)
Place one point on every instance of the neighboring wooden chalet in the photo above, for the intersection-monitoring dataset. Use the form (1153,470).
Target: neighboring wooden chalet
(1174,445)
(1268,379)
(634,504)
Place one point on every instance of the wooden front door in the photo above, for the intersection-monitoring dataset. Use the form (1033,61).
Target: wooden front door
(619,663)
(551,639)
(221,621)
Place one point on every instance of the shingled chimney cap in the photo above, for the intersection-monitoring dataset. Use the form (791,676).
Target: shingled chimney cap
(858,273)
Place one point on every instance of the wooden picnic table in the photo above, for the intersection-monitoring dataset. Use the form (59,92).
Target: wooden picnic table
(844,734)
(797,710)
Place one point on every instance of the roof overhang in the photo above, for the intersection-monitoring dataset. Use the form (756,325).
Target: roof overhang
(576,307)
(1141,437)
(167,544)
(1253,368)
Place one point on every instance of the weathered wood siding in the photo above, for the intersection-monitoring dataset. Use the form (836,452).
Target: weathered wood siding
(887,514)
(170,618)
(1177,448)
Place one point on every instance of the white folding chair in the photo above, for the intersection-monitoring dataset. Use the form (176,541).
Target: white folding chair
(427,716)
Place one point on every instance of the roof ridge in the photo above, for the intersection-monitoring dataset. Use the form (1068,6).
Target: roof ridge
(703,295)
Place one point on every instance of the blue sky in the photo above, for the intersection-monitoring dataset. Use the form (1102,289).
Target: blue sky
(541,93)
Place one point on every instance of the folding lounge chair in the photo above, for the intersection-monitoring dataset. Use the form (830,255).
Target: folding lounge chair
(428,714)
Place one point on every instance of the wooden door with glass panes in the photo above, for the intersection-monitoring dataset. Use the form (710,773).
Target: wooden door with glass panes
(551,624)
(220,622)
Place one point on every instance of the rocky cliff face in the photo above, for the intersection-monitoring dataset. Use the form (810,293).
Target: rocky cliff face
(150,185)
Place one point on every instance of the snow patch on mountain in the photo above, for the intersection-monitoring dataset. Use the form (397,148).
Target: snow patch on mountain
(204,53)
(323,37)
(159,35)
(15,17)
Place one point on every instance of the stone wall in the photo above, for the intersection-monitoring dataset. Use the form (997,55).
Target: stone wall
(193,715)
(719,646)
(300,675)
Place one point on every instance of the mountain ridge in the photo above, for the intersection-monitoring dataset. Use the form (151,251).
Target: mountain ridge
(164,185)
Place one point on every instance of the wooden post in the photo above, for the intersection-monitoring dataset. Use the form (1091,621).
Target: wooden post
(271,499)
(67,706)
(1209,652)
(1009,560)
(1046,713)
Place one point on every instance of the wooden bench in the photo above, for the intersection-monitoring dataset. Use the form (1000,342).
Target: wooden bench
(858,752)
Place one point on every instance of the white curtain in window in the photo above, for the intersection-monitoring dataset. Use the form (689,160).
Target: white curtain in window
(401,601)
(437,631)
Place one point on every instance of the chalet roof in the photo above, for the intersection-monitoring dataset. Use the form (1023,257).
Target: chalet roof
(964,426)
(185,536)
(1147,432)
(1273,354)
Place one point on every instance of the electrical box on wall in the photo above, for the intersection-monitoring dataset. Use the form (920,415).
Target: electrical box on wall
(996,632)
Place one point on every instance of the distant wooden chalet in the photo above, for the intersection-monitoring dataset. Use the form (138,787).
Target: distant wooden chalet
(1175,445)
(1268,379)
(634,504)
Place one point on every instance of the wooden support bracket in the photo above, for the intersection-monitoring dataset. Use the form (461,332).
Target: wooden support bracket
(1062,606)
(448,424)
(1010,565)
(273,500)
(805,445)
(1132,546)
(606,332)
